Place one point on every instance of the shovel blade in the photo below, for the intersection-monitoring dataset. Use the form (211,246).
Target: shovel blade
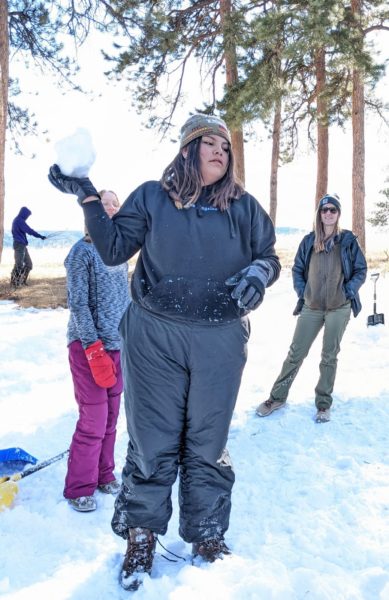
(376,319)
(8,491)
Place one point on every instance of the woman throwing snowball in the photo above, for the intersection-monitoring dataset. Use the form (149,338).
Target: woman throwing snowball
(206,256)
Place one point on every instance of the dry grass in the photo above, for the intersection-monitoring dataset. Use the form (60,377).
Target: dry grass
(47,283)
(48,292)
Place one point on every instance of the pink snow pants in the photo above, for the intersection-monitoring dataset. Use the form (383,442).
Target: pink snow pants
(91,456)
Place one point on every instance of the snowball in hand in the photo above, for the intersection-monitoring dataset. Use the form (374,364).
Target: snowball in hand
(76,154)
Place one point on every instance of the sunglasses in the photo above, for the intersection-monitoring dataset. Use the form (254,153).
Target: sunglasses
(331,210)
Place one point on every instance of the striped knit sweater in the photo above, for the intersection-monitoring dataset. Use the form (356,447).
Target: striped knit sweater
(98,295)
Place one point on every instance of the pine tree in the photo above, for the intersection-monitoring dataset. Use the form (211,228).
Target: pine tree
(380,216)
(302,58)
(164,38)
(31,30)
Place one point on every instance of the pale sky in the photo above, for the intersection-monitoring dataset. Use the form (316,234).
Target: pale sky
(128,154)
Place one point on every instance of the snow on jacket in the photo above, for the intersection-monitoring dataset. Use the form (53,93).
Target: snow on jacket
(20,227)
(353,265)
(97,297)
(185,255)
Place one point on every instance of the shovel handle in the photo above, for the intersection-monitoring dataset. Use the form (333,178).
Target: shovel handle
(31,470)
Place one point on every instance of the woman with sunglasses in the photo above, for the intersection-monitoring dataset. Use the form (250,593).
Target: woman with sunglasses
(329,268)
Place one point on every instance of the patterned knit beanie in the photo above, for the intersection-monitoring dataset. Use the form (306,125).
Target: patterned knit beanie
(330,199)
(199,124)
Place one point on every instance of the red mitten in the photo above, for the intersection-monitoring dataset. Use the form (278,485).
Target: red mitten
(101,364)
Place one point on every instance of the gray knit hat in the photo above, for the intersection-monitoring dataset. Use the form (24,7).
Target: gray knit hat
(199,124)
(330,199)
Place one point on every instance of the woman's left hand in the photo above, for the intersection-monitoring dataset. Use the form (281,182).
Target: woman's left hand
(249,285)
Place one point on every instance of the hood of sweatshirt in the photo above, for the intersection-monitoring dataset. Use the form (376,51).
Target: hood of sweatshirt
(24,212)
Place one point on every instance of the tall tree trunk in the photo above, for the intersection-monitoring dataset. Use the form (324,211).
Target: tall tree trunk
(275,156)
(358,173)
(231,79)
(4,76)
(322,126)
(358,132)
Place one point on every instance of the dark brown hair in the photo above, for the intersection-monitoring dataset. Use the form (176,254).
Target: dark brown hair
(182,180)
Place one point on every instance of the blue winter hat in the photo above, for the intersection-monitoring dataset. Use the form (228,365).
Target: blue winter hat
(330,199)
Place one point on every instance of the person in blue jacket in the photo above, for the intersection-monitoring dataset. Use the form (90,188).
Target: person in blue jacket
(329,268)
(23,262)
(206,255)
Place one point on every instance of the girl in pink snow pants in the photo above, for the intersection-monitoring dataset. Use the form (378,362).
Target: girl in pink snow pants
(91,458)
(97,298)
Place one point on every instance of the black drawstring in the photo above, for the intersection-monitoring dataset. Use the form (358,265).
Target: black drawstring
(170,552)
(232,228)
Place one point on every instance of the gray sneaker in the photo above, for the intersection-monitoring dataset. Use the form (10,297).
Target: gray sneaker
(113,487)
(83,503)
(323,415)
(269,406)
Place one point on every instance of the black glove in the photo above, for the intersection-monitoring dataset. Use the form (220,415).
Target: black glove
(43,237)
(299,306)
(349,292)
(249,284)
(82,187)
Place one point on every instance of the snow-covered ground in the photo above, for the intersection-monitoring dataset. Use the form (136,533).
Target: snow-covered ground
(310,518)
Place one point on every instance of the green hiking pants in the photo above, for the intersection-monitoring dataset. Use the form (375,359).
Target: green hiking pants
(308,325)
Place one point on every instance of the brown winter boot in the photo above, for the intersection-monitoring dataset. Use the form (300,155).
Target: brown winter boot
(138,559)
(211,549)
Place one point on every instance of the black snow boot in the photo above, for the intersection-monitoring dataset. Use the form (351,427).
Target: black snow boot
(16,276)
(24,276)
(138,559)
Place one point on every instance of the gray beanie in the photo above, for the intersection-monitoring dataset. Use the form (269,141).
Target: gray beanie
(330,199)
(199,124)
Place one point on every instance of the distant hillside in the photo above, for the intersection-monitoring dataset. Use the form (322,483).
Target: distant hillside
(64,239)
(290,231)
